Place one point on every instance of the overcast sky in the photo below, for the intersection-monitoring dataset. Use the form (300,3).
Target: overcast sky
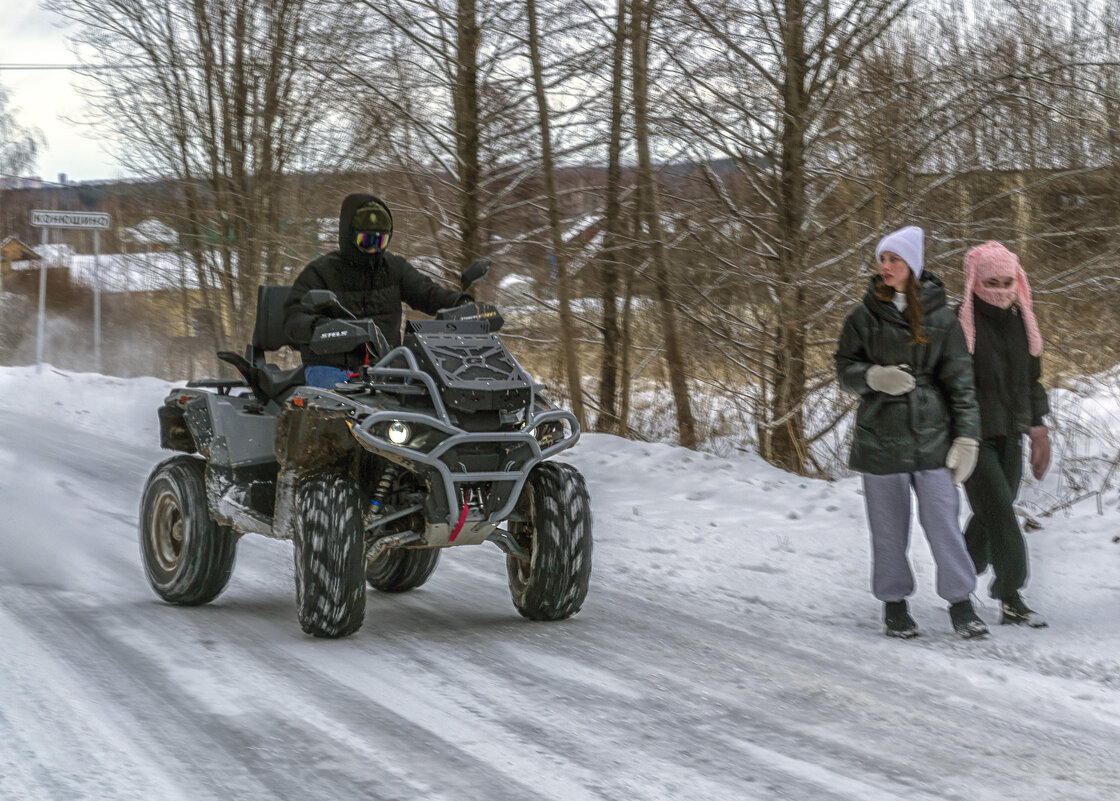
(45,98)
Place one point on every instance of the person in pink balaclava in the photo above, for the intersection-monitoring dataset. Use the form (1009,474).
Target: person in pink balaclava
(997,316)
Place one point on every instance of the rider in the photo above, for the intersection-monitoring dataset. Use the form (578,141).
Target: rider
(370,282)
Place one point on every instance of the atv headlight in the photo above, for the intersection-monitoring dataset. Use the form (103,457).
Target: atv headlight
(399,433)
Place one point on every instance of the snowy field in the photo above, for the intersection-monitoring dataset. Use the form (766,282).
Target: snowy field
(729,648)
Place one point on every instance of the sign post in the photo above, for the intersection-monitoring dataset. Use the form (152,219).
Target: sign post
(92,220)
(97,300)
(41,320)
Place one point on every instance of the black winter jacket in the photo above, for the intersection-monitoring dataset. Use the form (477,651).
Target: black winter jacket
(1008,388)
(368,285)
(911,432)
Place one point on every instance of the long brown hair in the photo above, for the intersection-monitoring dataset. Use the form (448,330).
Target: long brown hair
(912,314)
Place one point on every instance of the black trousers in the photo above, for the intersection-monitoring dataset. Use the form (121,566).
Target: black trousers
(993,535)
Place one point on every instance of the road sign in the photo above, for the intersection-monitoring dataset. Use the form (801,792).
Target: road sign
(91,220)
(43,218)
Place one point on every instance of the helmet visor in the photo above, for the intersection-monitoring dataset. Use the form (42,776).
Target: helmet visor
(372,217)
(371,241)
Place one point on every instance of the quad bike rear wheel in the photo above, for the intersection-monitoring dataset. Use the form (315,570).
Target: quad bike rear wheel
(555,530)
(402,569)
(330,556)
(188,558)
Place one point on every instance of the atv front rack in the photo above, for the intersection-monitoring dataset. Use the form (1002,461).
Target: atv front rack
(414,379)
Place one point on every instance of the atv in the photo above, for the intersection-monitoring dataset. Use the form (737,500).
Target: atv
(438,443)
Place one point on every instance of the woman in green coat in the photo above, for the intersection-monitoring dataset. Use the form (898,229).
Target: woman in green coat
(917,428)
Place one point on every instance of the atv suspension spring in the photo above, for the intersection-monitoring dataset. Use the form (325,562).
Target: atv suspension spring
(384,484)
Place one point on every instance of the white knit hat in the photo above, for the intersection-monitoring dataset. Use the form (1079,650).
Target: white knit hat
(908,243)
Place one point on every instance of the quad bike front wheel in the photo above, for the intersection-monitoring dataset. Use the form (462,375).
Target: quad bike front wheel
(330,556)
(555,530)
(188,557)
(402,569)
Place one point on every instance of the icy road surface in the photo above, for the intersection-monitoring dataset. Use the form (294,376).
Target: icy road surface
(728,649)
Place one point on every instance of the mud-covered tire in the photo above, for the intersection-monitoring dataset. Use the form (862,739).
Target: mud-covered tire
(330,556)
(188,558)
(556,532)
(402,569)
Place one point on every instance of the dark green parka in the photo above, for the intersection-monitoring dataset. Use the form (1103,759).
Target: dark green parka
(911,432)
(369,285)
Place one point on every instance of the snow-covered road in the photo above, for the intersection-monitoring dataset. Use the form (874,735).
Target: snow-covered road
(728,649)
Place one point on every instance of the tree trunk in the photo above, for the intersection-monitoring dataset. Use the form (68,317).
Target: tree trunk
(467,129)
(609,418)
(569,345)
(641,16)
(787,434)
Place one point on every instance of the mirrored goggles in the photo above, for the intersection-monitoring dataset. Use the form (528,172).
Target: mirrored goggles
(371,241)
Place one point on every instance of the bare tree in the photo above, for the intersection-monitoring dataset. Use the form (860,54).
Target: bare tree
(556,235)
(611,420)
(19,145)
(758,83)
(218,95)
(452,90)
(641,19)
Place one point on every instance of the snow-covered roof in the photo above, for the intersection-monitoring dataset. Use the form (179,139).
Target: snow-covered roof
(51,254)
(150,232)
(120,272)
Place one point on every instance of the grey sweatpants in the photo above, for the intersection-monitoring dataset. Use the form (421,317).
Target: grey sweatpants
(888,515)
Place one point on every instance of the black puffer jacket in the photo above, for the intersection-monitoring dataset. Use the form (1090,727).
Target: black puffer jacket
(368,285)
(911,432)
(1011,396)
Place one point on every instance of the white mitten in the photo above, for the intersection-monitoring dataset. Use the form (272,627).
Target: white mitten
(962,458)
(889,379)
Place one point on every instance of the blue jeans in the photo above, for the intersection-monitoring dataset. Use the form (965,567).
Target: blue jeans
(320,375)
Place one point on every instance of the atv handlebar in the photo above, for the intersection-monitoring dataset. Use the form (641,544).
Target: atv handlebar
(474,311)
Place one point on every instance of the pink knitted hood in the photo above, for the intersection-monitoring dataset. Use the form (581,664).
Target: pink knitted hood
(993,260)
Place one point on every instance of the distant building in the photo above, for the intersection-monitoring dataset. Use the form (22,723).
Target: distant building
(13,250)
(151,234)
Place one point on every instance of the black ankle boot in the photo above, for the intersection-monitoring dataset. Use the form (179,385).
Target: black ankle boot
(898,620)
(1014,611)
(966,622)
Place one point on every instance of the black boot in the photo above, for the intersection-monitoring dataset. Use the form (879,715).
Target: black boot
(1014,611)
(898,620)
(966,622)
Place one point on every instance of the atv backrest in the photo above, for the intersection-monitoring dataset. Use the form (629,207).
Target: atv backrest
(267,381)
(268,333)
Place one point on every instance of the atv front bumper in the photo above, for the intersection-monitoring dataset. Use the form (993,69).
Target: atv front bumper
(465,504)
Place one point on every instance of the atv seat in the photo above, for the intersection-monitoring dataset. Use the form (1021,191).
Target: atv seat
(267,381)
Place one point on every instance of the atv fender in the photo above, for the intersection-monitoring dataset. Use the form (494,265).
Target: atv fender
(174,435)
(308,442)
